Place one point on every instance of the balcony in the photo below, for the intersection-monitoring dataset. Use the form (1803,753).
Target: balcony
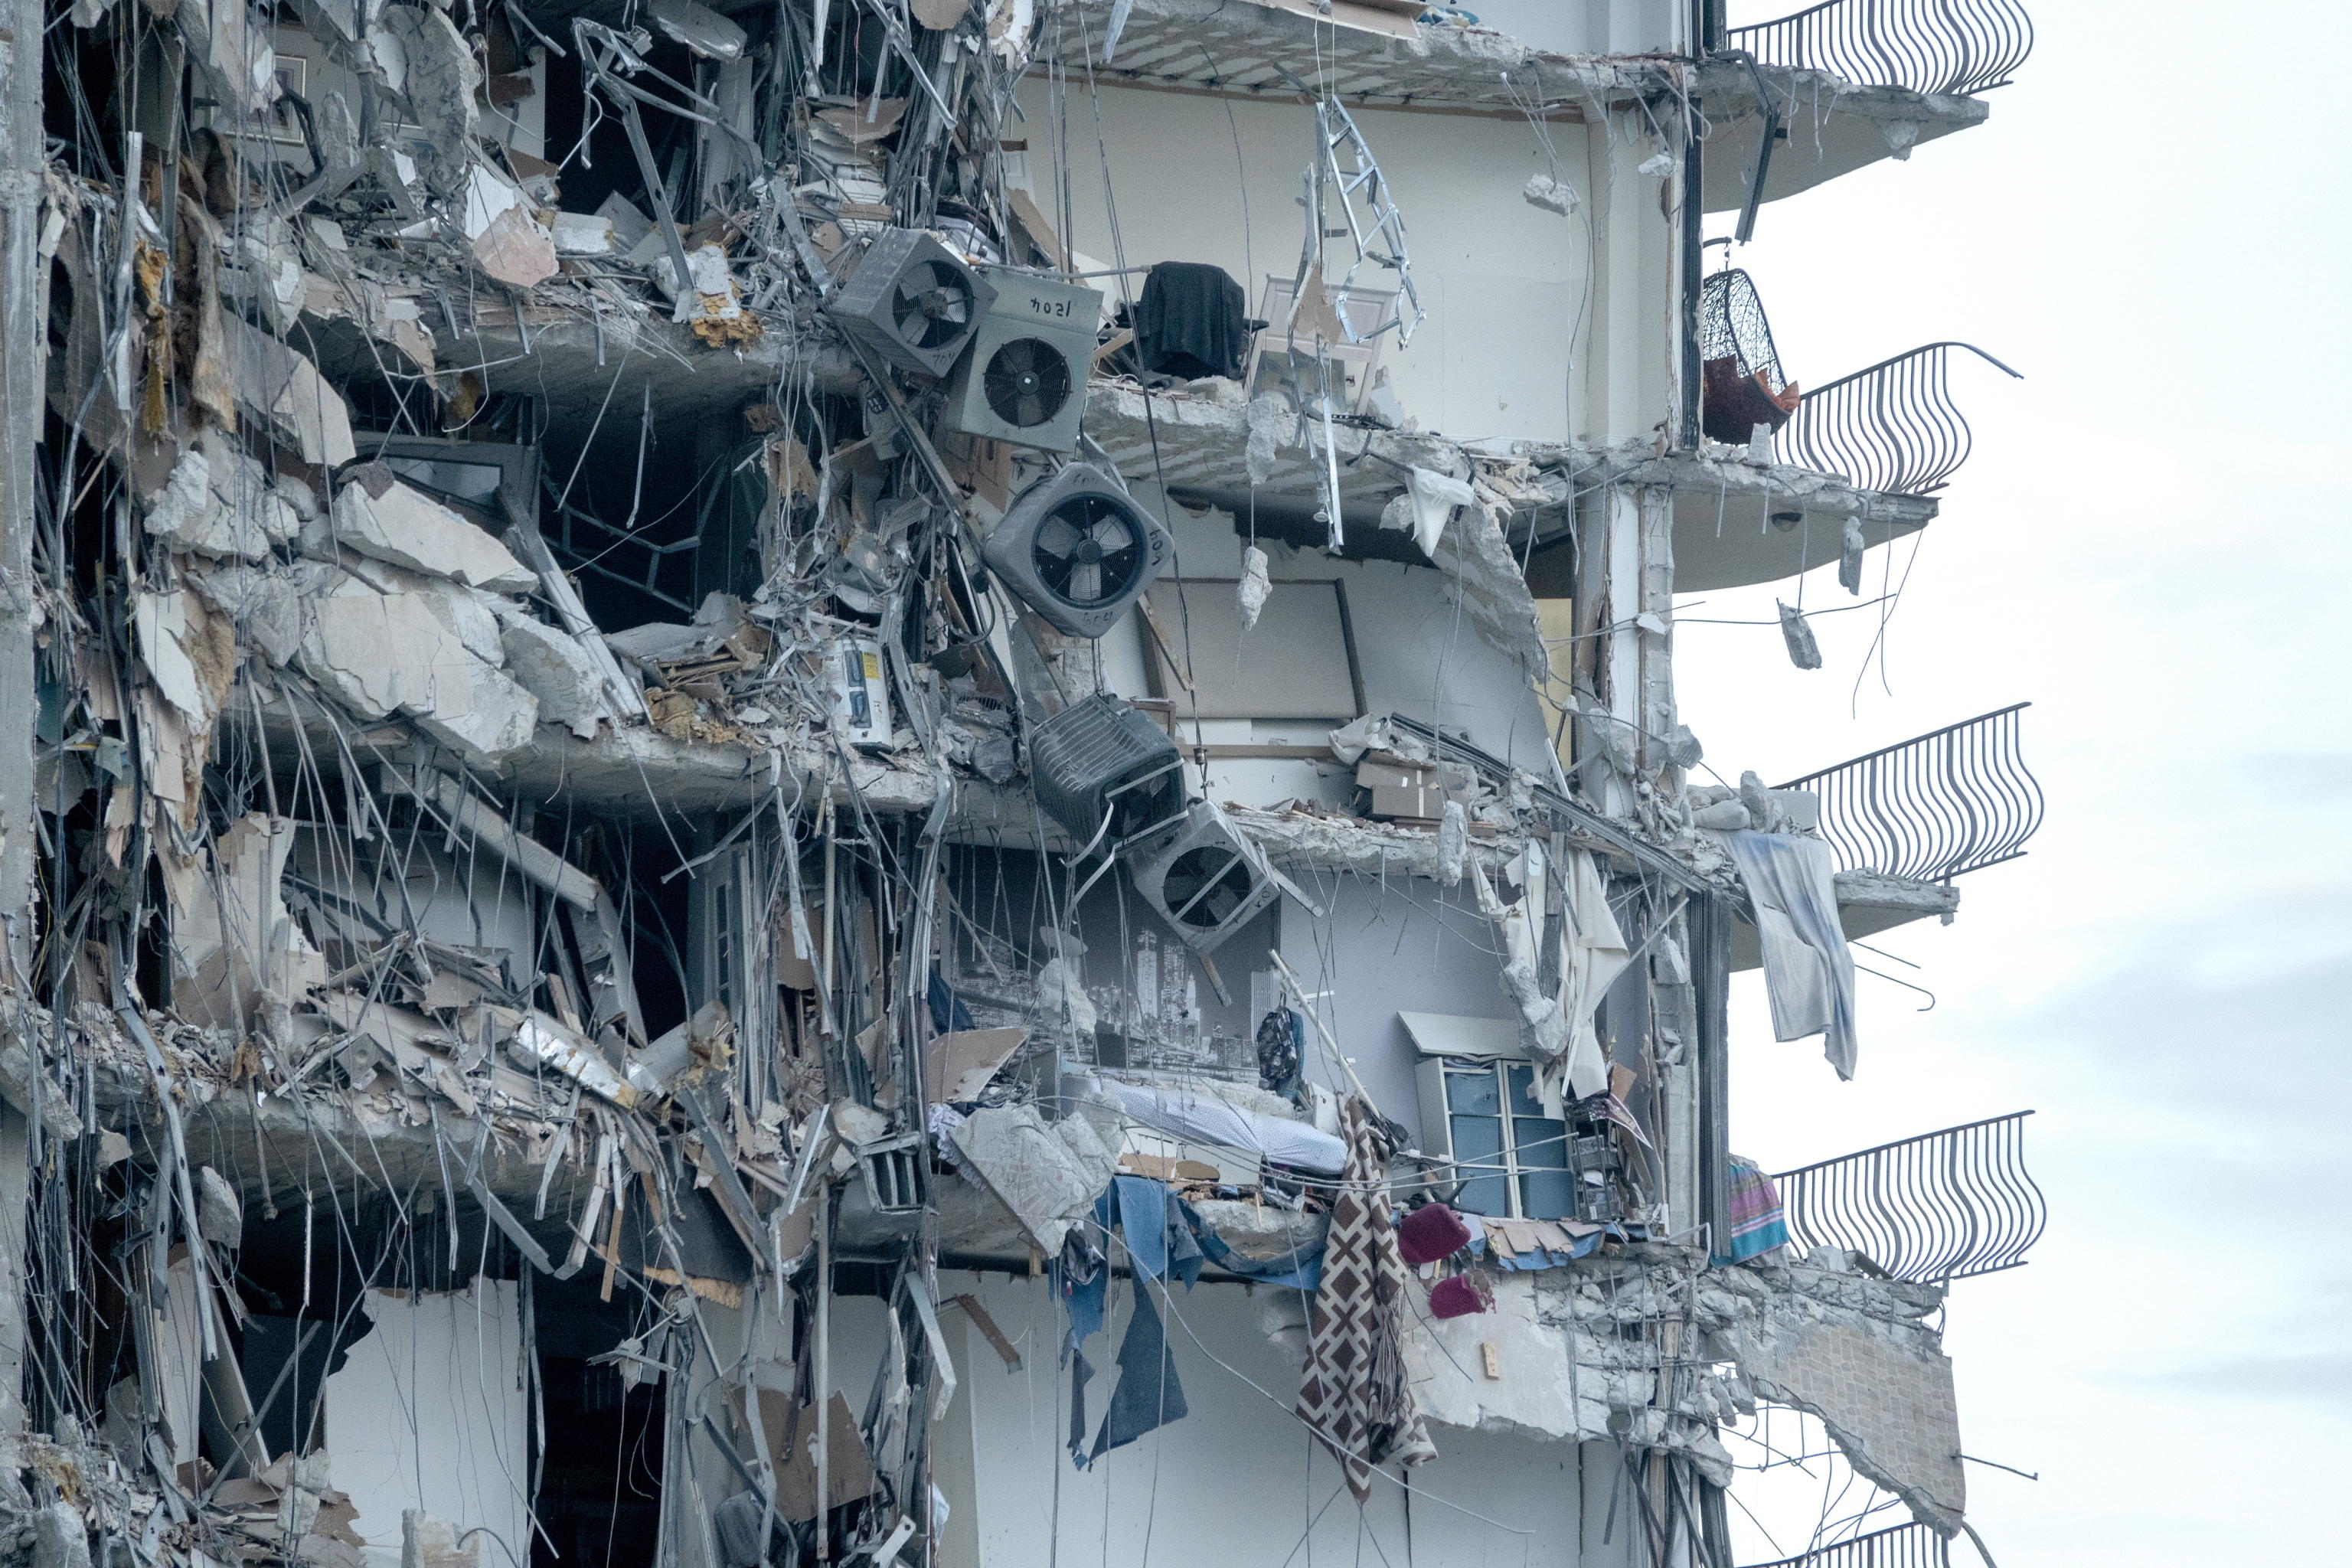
(1906,819)
(1893,427)
(1940,1206)
(1938,46)
(1905,1546)
(1848,82)
(1873,446)
(1954,800)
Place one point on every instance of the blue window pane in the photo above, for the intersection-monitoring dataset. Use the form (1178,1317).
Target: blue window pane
(1523,1092)
(1472,1093)
(1477,1139)
(1485,1196)
(1478,1156)
(1540,1144)
(1546,1194)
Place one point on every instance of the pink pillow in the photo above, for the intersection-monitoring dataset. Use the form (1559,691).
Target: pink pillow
(1430,1232)
(1458,1296)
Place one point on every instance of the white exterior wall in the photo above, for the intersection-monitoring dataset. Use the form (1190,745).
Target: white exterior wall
(1419,655)
(1503,281)
(1626,362)
(428,1412)
(1403,945)
(1238,1481)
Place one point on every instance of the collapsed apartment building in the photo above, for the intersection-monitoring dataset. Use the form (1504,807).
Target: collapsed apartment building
(761,810)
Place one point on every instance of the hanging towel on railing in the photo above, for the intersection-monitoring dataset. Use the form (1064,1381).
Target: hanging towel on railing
(1759,1222)
(1807,969)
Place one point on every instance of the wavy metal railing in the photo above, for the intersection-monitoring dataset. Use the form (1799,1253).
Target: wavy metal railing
(1943,1206)
(1905,1546)
(1893,427)
(1954,800)
(1928,46)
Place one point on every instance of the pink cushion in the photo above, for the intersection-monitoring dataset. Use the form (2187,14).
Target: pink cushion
(1458,1296)
(1430,1232)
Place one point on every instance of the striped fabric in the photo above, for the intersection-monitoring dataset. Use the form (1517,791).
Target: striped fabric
(1355,1396)
(1757,1224)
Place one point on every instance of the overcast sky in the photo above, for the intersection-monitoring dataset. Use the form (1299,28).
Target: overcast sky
(2151,543)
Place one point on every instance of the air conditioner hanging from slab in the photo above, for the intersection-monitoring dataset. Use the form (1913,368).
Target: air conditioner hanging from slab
(911,301)
(1025,378)
(1110,775)
(1077,551)
(1204,880)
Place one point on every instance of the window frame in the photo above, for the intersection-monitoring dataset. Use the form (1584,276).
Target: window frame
(1437,1133)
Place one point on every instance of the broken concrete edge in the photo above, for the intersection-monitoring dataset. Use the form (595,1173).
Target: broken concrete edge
(1445,67)
(1124,415)
(1915,900)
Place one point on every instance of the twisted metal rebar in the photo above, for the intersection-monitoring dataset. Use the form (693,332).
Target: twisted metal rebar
(1943,1206)
(1954,800)
(1891,428)
(1928,46)
(1905,1546)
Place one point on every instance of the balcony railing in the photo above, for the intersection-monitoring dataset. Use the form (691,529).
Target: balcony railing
(1943,1206)
(1954,800)
(1928,46)
(1893,427)
(1905,1546)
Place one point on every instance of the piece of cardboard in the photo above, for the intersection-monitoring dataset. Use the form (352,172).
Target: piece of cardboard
(849,1470)
(1425,802)
(1373,773)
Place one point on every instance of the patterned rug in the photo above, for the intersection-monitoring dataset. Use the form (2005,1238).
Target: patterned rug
(1355,1397)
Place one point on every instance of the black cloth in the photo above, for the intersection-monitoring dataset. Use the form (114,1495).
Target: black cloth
(1189,323)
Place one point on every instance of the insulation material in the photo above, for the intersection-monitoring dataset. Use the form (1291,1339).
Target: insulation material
(429,1414)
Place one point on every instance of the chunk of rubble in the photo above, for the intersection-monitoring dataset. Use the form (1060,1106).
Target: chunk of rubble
(377,515)
(423,647)
(555,668)
(285,390)
(218,501)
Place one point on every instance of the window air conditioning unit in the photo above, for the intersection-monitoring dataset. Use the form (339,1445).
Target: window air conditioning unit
(1108,773)
(911,301)
(1025,380)
(1077,549)
(1204,880)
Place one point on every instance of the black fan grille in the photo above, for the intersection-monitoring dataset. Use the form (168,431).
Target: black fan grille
(1026,382)
(932,302)
(1203,887)
(1088,550)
